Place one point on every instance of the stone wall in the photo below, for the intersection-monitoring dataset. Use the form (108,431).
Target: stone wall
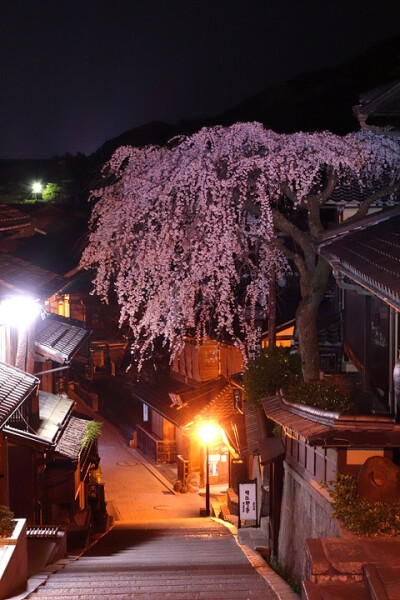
(305,514)
(14,561)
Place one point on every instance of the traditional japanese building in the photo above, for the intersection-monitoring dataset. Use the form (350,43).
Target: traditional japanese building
(196,391)
(44,460)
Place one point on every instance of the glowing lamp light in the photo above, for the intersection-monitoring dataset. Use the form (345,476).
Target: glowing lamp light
(208,432)
(37,187)
(19,311)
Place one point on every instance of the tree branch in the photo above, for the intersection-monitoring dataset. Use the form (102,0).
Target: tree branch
(362,210)
(301,265)
(329,188)
(285,226)
(289,193)
(314,202)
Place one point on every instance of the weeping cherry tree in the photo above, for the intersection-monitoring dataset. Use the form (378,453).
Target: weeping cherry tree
(187,234)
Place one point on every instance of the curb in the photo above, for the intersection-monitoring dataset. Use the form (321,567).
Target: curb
(275,583)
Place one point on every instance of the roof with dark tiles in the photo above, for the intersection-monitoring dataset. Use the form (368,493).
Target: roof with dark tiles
(57,242)
(370,255)
(379,109)
(193,398)
(19,276)
(70,442)
(15,387)
(330,429)
(59,339)
(54,411)
(54,417)
(12,218)
(254,432)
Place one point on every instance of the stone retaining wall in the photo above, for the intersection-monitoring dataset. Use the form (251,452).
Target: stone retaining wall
(305,514)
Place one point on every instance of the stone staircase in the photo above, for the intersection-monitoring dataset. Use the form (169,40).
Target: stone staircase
(189,559)
(46,545)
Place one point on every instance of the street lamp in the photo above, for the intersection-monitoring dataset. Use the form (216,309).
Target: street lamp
(207,433)
(36,188)
(19,311)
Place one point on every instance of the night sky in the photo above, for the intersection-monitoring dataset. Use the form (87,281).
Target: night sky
(76,73)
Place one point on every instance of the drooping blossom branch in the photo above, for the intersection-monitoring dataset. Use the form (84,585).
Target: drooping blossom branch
(175,236)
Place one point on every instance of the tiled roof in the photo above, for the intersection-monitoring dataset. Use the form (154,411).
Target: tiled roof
(350,194)
(15,386)
(194,398)
(220,407)
(70,442)
(80,282)
(371,257)
(54,414)
(20,276)
(58,339)
(221,410)
(53,411)
(59,250)
(380,108)
(328,429)
(311,430)
(253,429)
(12,218)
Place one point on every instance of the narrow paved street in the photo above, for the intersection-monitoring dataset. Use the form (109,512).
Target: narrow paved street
(159,546)
(133,492)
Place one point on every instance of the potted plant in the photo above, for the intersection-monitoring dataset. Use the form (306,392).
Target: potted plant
(7,523)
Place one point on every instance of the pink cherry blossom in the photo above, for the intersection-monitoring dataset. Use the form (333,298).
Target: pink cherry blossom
(184,234)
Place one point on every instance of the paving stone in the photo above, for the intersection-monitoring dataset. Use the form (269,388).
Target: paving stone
(319,561)
(159,548)
(193,562)
(345,556)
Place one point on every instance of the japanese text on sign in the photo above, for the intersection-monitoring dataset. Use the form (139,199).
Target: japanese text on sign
(247,501)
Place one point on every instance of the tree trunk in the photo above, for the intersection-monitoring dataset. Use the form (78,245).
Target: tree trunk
(307,331)
(272,309)
(313,292)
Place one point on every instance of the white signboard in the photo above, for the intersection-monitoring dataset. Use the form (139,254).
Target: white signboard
(248,501)
(145,412)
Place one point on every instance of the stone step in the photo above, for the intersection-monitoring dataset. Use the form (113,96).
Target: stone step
(341,590)
(382,582)
(152,584)
(129,565)
(240,565)
(152,576)
(132,576)
(184,595)
(150,588)
(148,563)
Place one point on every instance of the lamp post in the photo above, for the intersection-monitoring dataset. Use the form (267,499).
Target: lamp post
(20,312)
(208,432)
(37,188)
